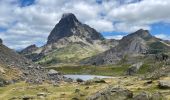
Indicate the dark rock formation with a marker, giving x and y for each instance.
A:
(1, 41)
(29, 49)
(69, 26)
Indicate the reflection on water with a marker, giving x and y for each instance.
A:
(86, 77)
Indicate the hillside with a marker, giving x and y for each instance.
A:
(14, 67)
(133, 45)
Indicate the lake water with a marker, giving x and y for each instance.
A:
(86, 77)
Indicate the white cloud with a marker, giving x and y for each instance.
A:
(101, 25)
(163, 36)
(32, 24)
(117, 37)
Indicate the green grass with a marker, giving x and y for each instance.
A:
(93, 70)
(55, 93)
(144, 69)
(69, 54)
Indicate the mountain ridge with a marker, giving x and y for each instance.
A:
(134, 44)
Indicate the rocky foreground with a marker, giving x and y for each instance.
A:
(117, 88)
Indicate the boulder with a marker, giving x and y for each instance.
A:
(112, 94)
(157, 96)
(122, 92)
(142, 96)
(52, 72)
(134, 68)
(163, 84)
(42, 94)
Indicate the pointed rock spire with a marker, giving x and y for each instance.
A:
(1, 41)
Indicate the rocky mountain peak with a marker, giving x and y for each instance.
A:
(141, 33)
(69, 26)
(69, 19)
(69, 16)
(29, 49)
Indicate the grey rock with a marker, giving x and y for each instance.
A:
(142, 96)
(157, 96)
(42, 94)
(29, 49)
(29, 71)
(134, 68)
(112, 94)
(52, 72)
(163, 84)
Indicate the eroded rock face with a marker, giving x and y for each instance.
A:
(26, 70)
(163, 84)
(131, 44)
(135, 44)
(29, 49)
(69, 26)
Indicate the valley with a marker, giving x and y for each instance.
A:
(136, 67)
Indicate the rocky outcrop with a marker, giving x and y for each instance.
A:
(29, 49)
(134, 68)
(164, 84)
(112, 94)
(21, 67)
(1, 41)
(124, 94)
(142, 96)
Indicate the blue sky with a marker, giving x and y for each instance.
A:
(26, 22)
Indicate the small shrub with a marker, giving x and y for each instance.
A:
(79, 80)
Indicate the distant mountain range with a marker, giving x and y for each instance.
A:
(73, 42)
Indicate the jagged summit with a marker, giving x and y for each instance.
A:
(70, 26)
(69, 16)
(29, 49)
(140, 33)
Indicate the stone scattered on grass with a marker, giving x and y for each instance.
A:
(142, 96)
(86, 88)
(42, 94)
(163, 84)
